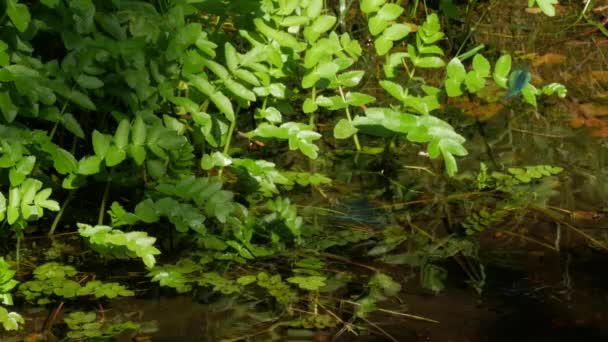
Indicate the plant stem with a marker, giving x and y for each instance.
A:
(18, 250)
(229, 138)
(311, 120)
(104, 200)
(60, 213)
(350, 120)
(63, 108)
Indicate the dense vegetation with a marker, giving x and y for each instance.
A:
(177, 133)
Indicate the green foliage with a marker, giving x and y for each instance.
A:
(9, 320)
(176, 276)
(480, 221)
(283, 211)
(317, 321)
(512, 81)
(413, 118)
(380, 286)
(276, 287)
(525, 186)
(7, 283)
(26, 201)
(440, 136)
(300, 136)
(130, 94)
(116, 243)
(86, 326)
(54, 279)
(515, 176)
(311, 283)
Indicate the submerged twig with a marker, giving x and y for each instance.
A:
(575, 229)
(384, 332)
(539, 134)
(396, 313)
(348, 261)
(527, 238)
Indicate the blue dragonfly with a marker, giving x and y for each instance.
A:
(518, 79)
(361, 211)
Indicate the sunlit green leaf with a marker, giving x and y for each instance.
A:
(115, 155)
(231, 57)
(429, 62)
(501, 70)
(547, 6)
(101, 143)
(377, 25)
(369, 6)
(239, 90)
(283, 38)
(247, 76)
(456, 70)
(64, 162)
(474, 81)
(390, 12)
(453, 87)
(10, 320)
(351, 78)
(396, 31)
(529, 93)
(89, 165)
(382, 45)
(481, 65)
(344, 129)
(358, 99)
(309, 106)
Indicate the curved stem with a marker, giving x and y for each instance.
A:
(60, 213)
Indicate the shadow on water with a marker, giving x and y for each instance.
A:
(529, 304)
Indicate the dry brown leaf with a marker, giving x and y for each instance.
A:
(600, 132)
(549, 59)
(477, 110)
(577, 122)
(599, 75)
(593, 110)
(533, 10)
